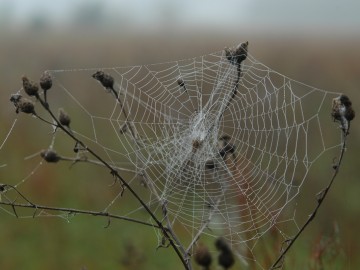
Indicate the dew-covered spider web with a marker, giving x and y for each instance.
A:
(226, 155)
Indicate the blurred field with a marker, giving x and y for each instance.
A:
(329, 63)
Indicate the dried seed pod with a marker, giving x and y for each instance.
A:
(26, 106)
(241, 51)
(342, 111)
(226, 259)
(349, 112)
(31, 88)
(105, 79)
(64, 118)
(237, 55)
(50, 156)
(46, 81)
(203, 256)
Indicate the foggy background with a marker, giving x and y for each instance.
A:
(315, 42)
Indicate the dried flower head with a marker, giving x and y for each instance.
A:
(50, 156)
(241, 51)
(31, 88)
(64, 118)
(226, 259)
(342, 111)
(349, 112)
(46, 81)
(25, 106)
(105, 79)
(202, 256)
(238, 54)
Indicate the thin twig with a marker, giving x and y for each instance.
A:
(320, 198)
(76, 211)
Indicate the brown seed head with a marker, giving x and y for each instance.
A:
(50, 156)
(342, 107)
(31, 88)
(226, 259)
(64, 118)
(241, 51)
(203, 256)
(105, 79)
(237, 55)
(46, 81)
(25, 106)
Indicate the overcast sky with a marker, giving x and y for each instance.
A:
(326, 14)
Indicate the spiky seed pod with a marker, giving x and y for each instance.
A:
(46, 81)
(349, 112)
(105, 79)
(64, 118)
(241, 51)
(237, 55)
(50, 156)
(342, 107)
(203, 256)
(25, 106)
(31, 88)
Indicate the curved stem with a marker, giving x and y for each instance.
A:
(115, 173)
(320, 198)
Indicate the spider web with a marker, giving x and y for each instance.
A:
(232, 164)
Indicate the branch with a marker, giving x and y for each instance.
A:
(116, 174)
(320, 198)
(29, 204)
(169, 234)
